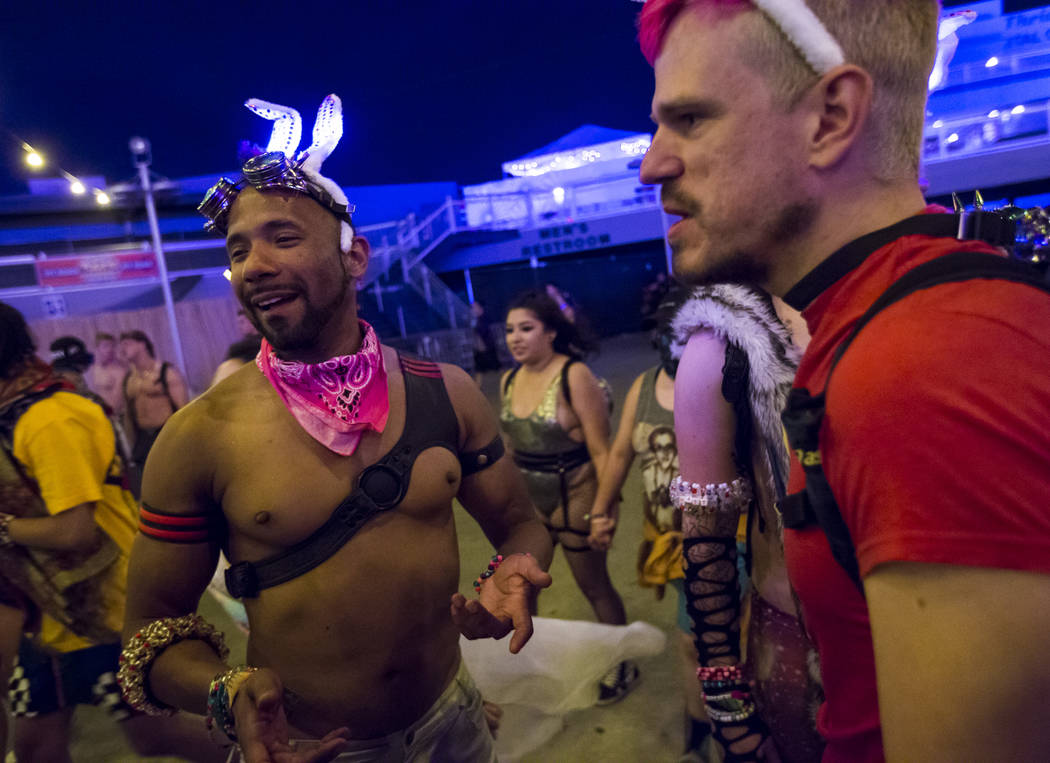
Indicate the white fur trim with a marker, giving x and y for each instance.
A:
(740, 316)
(346, 233)
(806, 32)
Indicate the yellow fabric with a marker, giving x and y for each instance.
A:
(741, 529)
(66, 445)
(664, 561)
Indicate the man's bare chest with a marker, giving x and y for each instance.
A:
(146, 384)
(276, 485)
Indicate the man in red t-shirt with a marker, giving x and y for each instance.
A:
(788, 142)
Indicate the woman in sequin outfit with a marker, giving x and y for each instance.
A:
(555, 415)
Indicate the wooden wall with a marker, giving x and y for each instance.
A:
(206, 326)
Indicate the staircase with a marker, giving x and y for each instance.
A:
(406, 302)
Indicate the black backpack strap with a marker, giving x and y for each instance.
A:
(509, 379)
(804, 413)
(164, 385)
(951, 268)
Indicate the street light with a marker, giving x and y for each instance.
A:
(142, 157)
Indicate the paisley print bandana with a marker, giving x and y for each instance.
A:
(337, 400)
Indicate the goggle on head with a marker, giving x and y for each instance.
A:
(276, 169)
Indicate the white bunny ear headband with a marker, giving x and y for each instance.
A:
(805, 31)
(280, 167)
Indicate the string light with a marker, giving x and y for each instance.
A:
(77, 187)
(33, 158)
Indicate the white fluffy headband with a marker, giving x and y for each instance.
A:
(805, 31)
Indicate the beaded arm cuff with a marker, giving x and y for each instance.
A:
(697, 499)
(146, 645)
(221, 694)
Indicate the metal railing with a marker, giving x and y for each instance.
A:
(1022, 124)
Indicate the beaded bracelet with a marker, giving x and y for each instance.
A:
(733, 717)
(494, 564)
(146, 645)
(221, 694)
(5, 533)
(724, 673)
(708, 499)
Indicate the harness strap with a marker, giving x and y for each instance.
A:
(429, 421)
(565, 461)
(804, 414)
(481, 459)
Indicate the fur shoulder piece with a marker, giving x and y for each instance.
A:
(744, 317)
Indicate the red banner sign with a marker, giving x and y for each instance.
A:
(95, 268)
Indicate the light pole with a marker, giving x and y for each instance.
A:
(140, 152)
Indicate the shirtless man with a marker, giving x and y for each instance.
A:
(152, 391)
(107, 373)
(358, 645)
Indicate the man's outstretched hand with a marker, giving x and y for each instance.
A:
(504, 602)
(262, 728)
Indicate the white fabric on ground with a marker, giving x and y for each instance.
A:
(556, 673)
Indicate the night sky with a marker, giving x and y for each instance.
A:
(431, 90)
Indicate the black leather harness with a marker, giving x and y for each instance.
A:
(430, 421)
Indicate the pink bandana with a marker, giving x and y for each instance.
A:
(337, 400)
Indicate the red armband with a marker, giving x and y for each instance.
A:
(181, 528)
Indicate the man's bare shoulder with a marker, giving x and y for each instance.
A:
(221, 405)
(197, 439)
(462, 389)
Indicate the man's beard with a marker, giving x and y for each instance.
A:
(750, 264)
(302, 335)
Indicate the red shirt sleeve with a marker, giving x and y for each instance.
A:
(938, 430)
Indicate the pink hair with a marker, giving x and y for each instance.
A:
(657, 16)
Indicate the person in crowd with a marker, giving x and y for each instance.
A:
(556, 418)
(647, 430)
(349, 585)
(653, 295)
(788, 141)
(152, 392)
(244, 350)
(71, 360)
(733, 466)
(563, 300)
(66, 526)
(486, 357)
(107, 372)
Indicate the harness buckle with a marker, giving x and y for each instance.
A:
(242, 581)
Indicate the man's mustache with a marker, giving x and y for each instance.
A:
(675, 199)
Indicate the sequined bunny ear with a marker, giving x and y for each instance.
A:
(287, 127)
(328, 129)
